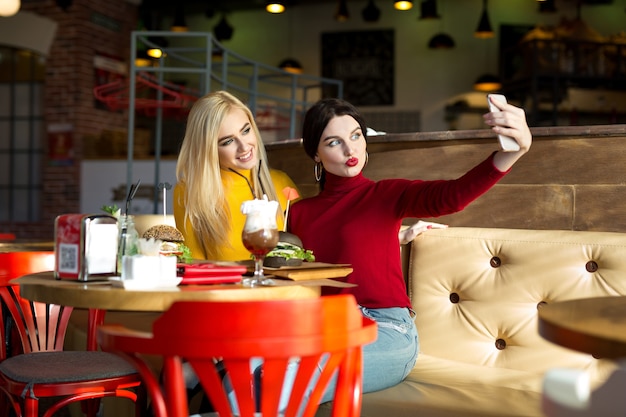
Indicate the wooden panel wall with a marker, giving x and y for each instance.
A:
(569, 183)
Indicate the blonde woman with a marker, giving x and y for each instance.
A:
(222, 162)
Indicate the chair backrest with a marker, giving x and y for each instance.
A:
(325, 335)
(41, 327)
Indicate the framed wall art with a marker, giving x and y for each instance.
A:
(364, 61)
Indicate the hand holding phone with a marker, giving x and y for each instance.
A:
(507, 143)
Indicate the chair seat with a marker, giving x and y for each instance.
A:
(65, 366)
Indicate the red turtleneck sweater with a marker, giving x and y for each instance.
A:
(356, 221)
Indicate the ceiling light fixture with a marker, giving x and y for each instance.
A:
(143, 59)
(342, 11)
(223, 31)
(429, 10)
(275, 7)
(179, 24)
(441, 41)
(403, 5)
(291, 65)
(9, 7)
(487, 83)
(484, 30)
(371, 13)
(155, 50)
(547, 6)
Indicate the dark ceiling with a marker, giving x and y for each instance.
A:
(212, 7)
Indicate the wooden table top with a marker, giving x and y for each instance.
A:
(591, 325)
(102, 295)
(26, 246)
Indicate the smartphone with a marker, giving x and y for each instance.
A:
(507, 143)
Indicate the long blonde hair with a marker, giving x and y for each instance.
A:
(198, 169)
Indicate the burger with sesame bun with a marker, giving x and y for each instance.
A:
(172, 241)
(288, 252)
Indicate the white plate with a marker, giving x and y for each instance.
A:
(143, 284)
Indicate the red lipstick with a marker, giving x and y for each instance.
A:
(352, 162)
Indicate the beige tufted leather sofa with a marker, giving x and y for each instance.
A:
(476, 292)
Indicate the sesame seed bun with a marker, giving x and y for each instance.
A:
(165, 233)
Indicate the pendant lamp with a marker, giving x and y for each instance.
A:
(179, 24)
(429, 10)
(275, 7)
(156, 49)
(403, 5)
(484, 30)
(547, 6)
(342, 11)
(223, 31)
(487, 83)
(371, 13)
(143, 59)
(9, 7)
(441, 41)
(291, 65)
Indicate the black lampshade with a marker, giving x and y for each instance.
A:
(429, 10)
(441, 41)
(487, 82)
(371, 13)
(223, 31)
(291, 65)
(484, 29)
(179, 24)
(547, 6)
(342, 11)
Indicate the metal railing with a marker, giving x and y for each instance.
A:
(195, 63)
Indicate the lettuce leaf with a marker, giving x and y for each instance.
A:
(289, 251)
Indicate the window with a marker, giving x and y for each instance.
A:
(21, 134)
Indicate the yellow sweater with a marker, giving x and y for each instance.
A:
(237, 191)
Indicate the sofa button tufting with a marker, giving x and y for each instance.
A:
(454, 298)
(500, 344)
(591, 266)
(495, 262)
(541, 304)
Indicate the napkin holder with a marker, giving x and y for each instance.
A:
(85, 246)
(150, 268)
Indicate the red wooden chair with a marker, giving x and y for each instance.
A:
(330, 329)
(44, 369)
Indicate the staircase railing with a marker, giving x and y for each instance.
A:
(195, 63)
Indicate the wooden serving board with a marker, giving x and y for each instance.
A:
(308, 271)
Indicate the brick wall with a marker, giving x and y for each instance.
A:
(86, 28)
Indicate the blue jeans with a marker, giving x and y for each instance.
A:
(389, 359)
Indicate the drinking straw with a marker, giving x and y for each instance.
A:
(131, 195)
(165, 186)
(291, 194)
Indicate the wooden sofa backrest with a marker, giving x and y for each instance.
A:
(476, 291)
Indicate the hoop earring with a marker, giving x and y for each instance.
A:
(367, 158)
(317, 171)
